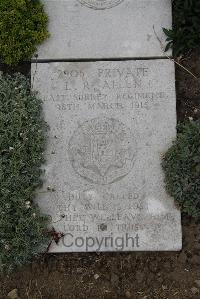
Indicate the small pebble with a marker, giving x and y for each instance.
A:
(182, 258)
(195, 260)
(128, 294)
(194, 291)
(197, 282)
(96, 276)
(13, 294)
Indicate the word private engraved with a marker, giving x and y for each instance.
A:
(100, 4)
(102, 150)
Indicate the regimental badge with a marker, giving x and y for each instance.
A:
(100, 4)
(102, 150)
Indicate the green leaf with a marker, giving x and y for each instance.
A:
(168, 46)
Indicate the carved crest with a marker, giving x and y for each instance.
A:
(102, 150)
(100, 4)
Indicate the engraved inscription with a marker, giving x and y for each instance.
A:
(102, 150)
(100, 4)
(109, 122)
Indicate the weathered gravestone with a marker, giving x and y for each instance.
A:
(85, 29)
(110, 123)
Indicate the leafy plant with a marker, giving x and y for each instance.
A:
(182, 168)
(185, 34)
(23, 25)
(22, 143)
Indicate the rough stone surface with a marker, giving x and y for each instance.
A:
(197, 282)
(83, 29)
(110, 123)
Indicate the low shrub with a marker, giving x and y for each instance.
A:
(23, 229)
(185, 34)
(23, 25)
(182, 168)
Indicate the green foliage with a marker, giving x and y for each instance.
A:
(182, 168)
(22, 143)
(186, 28)
(23, 25)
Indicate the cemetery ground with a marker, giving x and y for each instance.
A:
(122, 275)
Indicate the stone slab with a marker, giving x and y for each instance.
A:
(123, 29)
(110, 122)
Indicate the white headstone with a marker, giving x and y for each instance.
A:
(110, 123)
(86, 29)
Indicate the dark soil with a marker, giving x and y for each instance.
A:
(188, 87)
(24, 68)
(123, 275)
